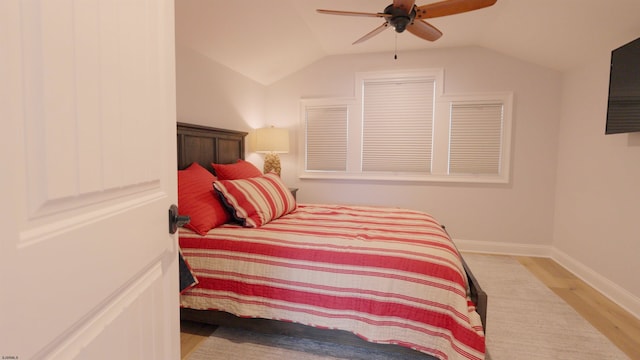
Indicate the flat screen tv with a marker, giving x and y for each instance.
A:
(623, 109)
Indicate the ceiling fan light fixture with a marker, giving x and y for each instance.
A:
(399, 18)
(400, 23)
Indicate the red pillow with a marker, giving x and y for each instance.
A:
(256, 201)
(197, 200)
(240, 170)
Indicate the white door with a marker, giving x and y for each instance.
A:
(88, 269)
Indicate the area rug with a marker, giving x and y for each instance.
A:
(526, 320)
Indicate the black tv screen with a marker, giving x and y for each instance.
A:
(623, 109)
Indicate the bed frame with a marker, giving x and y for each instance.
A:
(205, 145)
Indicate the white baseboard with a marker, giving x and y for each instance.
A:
(606, 287)
(489, 247)
(615, 293)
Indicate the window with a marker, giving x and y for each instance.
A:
(397, 119)
(475, 138)
(479, 129)
(326, 137)
(401, 127)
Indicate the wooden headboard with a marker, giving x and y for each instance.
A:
(204, 145)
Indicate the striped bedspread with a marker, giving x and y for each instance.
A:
(388, 275)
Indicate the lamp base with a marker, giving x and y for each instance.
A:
(272, 163)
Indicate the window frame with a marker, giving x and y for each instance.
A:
(440, 133)
(506, 98)
(350, 104)
(432, 78)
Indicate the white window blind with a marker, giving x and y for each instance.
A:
(397, 125)
(476, 131)
(326, 138)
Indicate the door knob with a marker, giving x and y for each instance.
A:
(176, 220)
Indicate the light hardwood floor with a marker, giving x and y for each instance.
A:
(618, 325)
(622, 328)
(191, 335)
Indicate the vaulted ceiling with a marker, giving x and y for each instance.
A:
(268, 39)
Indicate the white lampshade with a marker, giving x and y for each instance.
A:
(272, 140)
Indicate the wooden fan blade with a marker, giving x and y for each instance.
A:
(405, 5)
(450, 7)
(372, 33)
(423, 29)
(351, 13)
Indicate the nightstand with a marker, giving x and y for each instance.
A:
(293, 192)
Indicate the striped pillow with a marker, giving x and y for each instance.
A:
(256, 201)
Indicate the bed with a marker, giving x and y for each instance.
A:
(371, 276)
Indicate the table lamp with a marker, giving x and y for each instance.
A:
(272, 141)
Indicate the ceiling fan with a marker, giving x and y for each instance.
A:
(406, 15)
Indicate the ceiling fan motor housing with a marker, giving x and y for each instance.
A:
(399, 18)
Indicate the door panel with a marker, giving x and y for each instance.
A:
(88, 159)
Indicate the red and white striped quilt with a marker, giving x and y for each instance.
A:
(388, 275)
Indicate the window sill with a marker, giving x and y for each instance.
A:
(473, 179)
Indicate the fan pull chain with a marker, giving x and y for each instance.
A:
(395, 50)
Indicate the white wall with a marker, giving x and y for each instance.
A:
(597, 220)
(213, 95)
(517, 214)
